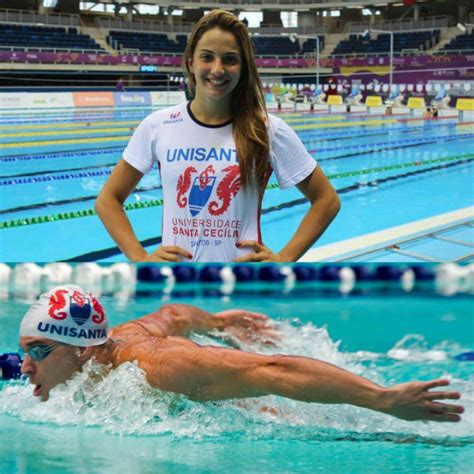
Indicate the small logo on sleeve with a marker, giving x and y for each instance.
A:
(174, 117)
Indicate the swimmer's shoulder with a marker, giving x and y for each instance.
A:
(136, 327)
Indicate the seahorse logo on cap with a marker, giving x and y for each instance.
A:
(80, 307)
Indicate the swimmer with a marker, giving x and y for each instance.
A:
(428, 114)
(67, 327)
(215, 155)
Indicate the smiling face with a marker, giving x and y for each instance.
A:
(216, 65)
(56, 368)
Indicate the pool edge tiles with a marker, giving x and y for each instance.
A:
(345, 249)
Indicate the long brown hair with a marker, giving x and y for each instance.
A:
(248, 101)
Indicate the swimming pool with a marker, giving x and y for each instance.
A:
(395, 175)
(123, 426)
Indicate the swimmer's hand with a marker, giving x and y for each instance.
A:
(261, 253)
(414, 401)
(168, 253)
(247, 326)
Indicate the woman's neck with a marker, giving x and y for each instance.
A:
(211, 112)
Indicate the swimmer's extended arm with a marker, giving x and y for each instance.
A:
(210, 373)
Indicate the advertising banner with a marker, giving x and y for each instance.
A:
(35, 100)
(123, 99)
(168, 98)
(9, 100)
(93, 99)
(419, 61)
(47, 100)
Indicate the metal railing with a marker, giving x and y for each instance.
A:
(143, 25)
(401, 53)
(297, 30)
(33, 49)
(267, 4)
(183, 28)
(429, 23)
(308, 55)
(33, 18)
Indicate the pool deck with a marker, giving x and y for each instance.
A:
(390, 240)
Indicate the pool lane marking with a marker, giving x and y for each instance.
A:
(364, 149)
(64, 170)
(106, 139)
(71, 124)
(338, 249)
(91, 123)
(112, 251)
(48, 176)
(66, 142)
(158, 202)
(127, 137)
(63, 154)
(67, 132)
(411, 143)
(86, 128)
(62, 202)
(101, 123)
(110, 150)
(357, 123)
(125, 129)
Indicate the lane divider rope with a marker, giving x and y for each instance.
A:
(158, 202)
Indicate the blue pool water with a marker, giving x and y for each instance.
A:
(121, 425)
(55, 165)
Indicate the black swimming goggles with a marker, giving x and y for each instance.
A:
(39, 352)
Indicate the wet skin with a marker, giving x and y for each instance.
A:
(173, 363)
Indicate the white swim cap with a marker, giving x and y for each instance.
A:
(67, 314)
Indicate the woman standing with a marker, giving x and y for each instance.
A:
(215, 155)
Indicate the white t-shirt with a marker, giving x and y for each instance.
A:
(205, 210)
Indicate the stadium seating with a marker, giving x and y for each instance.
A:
(361, 45)
(459, 44)
(153, 42)
(275, 46)
(156, 42)
(46, 38)
(309, 46)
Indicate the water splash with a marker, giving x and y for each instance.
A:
(122, 402)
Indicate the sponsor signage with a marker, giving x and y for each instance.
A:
(35, 100)
(123, 99)
(93, 99)
(168, 98)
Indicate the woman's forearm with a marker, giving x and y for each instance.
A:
(112, 215)
(321, 213)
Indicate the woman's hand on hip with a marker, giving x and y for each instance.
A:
(262, 253)
(167, 253)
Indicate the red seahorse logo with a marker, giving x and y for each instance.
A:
(226, 190)
(183, 185)
(57, 302)
(100, 316)
(204, 177)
